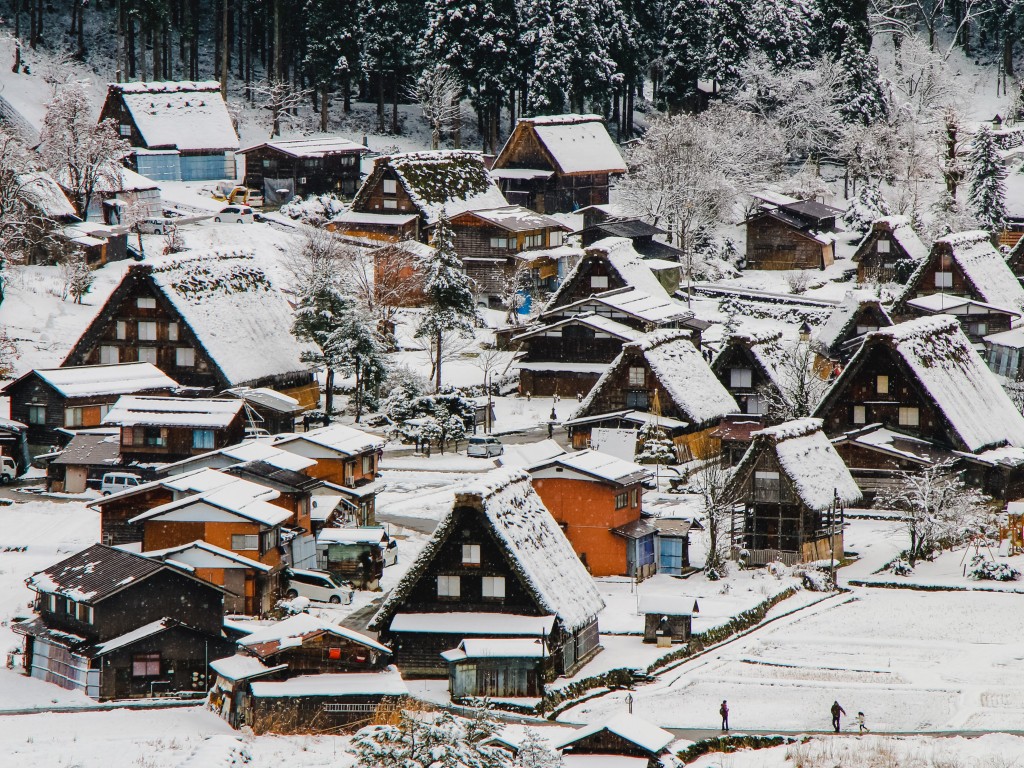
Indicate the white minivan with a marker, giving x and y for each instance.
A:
(115, 482)
(484, 447)
(240, 214)
(316, 585)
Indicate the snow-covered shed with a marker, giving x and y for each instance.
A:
(81, 464)
(667, 617)
(923, 378)
(558, 163)
(497, 667)
(792, 485)
(497, 565)
(187, 123)
(664, 374)
(889, 252)
(425, 185)
(977, 319)
(786, 233)
(201, 318)
(623, 734)
(966, 264)
(53, 400)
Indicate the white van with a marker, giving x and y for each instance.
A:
(115, 482)
(316, 585)
(240, 214)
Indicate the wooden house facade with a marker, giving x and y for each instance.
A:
(597, 499)
(304, 675)
(194, 318)
(558, 164)
(748, 363)
(615, 741)
(53, 401)
(498, 566)
(792, 485)
(316, 165)
(498, 667)
(923, 378)
(114, 624)
(890, 252)
(786, 233)
(344, 455)
(662, 374)
(846, 327)
(608, 265)
(406, 194)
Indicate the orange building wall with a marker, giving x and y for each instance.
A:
(586, 511)
(333, 470)
(160, 534)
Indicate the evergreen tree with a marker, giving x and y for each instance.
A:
(535, 752)
(861, 97)
(867, 206)
(686, 46)
(783, 32)
(320, 308)
(356, 348)
(332, 48)
(987, 196)
(839, 20)
(655, 447)
(449, 294)
(550, 79)
(728, 39)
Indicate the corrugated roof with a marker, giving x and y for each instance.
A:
(94, 573)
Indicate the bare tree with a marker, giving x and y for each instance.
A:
(383, 281)
(438, 91)
(77, 150)
(711, 481)
(939, 510)
(282, 100)
(904, 17)
(798, 387)
(76, 276)
(8, 354)
(514, 292)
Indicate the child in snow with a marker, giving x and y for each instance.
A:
(861, 728)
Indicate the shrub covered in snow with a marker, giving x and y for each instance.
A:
(867, 206)
(315, 210)
(989, 570)
(901, 567)
(816, 580)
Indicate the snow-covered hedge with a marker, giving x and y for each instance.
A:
(987, 570)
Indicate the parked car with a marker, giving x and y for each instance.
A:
(390, 552)
(240, 214)
(484, 447)
(317, 585)
(8, 470)
(115, 482)
(257, 433)
(157, 226)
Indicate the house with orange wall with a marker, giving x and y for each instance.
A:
(343, 455)
(597, 500)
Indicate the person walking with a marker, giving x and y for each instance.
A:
(724, 712)
(836, 712)
(861, 728)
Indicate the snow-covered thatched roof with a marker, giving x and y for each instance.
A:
(682, 372)
(845, 316)
(441, 182)
(940, 357)
(237, 315)
(768, 351)
(534, 546)
(983, 267)
(39, 190)
(622, 258)
(628, 727)
(808, 459)
(181, 115)
(575, 143)
(900, 229)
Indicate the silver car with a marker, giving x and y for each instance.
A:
(484, 447)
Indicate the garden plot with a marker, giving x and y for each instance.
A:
(910, 660)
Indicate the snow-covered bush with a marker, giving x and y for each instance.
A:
(656, 448)
(798, 281)
(988, 570)
(901, 567)
(427, 739)
(815, 580)
(867, 206)
(315, 210)
(777, 569)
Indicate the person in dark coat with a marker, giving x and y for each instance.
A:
(724, 712)
(836, 712)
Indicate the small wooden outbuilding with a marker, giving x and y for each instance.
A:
(666, 617)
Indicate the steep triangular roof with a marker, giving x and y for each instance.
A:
(183, 115)
(810, 462)
(534, 546)
(623, 259)
(766, 349)
(937, 353)
(681, 371)
(899, 229)
(845, 317)
(573, 143)
(982, 265)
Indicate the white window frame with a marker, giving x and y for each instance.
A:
(883, 246)
(637, 376)
(741, 378)
(471, 554)
(449, 586)
(148, 355)
(145, 302)
(599, 281)
(185, 357)
(172, 331)
(943, 279)
(389, 187)
(121, 329)
(556, 238)
(493, 587)
(147, 330)
(909, 416)
(245, 542)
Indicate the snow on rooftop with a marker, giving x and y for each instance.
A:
(233, 309)
(242, 667)
(579, 143)
(40, 190)
(385, 683)
(528, 454)
(601, 465)
(373, 534)
(240, 498)
(336, 437)
(446, 182)
(516, 218)
(479, 623)
(632, 301)
(811, 462)
(961, 385)
(498, 648)
(666, 604)
(623, 258)
(985, 268)
(184, 115)
(89, 380)
(146, 630)
(133, 411)
(359, 217)
(1012, 338)
(902, 231)
(197, 554)
(311, 146)
(301, 624)
(644, 734)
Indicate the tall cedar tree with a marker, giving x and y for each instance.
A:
(987, 196)
(685, 52)
(728, 39)
(449, 293)
(783, 32)
(356, 349)
(548, 78)
(837, 20)
(331, 37)
(861, 95)
(321, 307)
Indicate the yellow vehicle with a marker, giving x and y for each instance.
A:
(236, 194)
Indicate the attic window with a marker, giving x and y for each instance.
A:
(599, 281)
(448, 586)
(471, 554)
(390, 187)
(882, 385)
(882, 246)
(145, 302)
(126, 130)
(636, 376)
(943, 279)
(740, 378)
(391, 204)
(909, 417)
(860, 415)
(493, 587)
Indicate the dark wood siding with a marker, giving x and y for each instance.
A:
(774, 245)
(337, 173)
